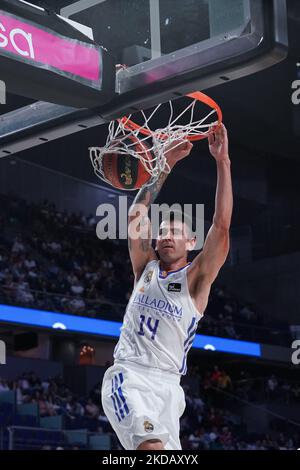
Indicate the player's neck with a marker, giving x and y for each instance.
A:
(173, 265)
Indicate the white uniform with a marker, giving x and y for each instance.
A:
(141, 392)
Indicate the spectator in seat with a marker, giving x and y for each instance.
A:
(272, 385)
(18, 246)
(224, 381)
(29, 263)
(195, 439)
(77, 305)
(91, 410)
(76, 287)
(215, 376)
(3, 385)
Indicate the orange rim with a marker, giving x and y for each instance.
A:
(197, 95)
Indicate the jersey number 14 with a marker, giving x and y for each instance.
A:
(148, 324)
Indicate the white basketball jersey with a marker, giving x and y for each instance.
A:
(160, 322)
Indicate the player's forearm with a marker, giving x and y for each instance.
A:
(139, 228)
(148, 194)
(174, 152)
(224, 197)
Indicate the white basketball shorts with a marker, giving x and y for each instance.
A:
(142, 404)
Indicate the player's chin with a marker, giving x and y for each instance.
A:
(167, 255)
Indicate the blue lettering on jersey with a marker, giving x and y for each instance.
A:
(161, 305)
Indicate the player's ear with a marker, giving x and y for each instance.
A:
(191, 244)
(156, 239)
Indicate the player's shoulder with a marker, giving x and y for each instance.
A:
(149, 268)
(151, 265)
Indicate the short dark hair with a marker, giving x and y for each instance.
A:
(174, 216)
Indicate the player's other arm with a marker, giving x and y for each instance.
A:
(139, 227)
(207, 264)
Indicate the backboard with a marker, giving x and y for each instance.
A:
(138, 31)
(183, 45)
(170, 48)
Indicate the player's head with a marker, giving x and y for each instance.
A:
(175, 238)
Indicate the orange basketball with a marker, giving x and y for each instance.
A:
(125, 171)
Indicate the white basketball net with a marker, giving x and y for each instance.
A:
(158, 142)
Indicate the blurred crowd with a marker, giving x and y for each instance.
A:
(213, 419)
(53, 261)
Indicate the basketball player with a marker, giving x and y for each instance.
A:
(141, 392)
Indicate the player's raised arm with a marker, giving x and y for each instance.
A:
(207, 264)
(139, 228)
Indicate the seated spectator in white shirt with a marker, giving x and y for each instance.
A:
(77, 288)
(91, 410)
(30, 263)
(18, 246)
(3, 386)
(77, 305)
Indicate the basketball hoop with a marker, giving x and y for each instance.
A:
(159, 141)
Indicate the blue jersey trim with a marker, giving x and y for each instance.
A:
(171, 272)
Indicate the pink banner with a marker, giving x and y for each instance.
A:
(66, 55)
